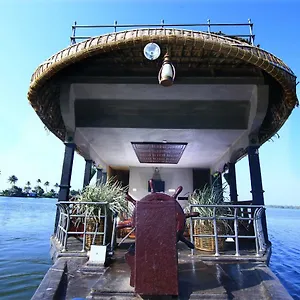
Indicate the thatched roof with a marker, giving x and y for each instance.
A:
(189, 50)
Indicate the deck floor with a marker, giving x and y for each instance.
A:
(198, 278)
(247, 250)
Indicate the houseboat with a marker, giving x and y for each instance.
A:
(165, 111)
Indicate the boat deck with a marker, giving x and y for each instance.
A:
(75, 277)
(246, 250)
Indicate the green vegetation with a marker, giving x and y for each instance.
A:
(28, 191)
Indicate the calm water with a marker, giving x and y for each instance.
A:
(26, 225)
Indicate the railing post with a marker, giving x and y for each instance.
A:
(73, 38)
(208, 23)
(162, 22)
(255, 231)
(251, 32)
(215, 232)
(115, 25)
(236, 234)
(66, 209)
(192, 231)
(84, 232)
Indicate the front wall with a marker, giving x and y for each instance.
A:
(173, 178)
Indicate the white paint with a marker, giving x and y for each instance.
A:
(258, 109)
(139, 176)
(205, 149)
(97, 254)
(113, 145)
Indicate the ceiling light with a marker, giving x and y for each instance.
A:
(152, 51)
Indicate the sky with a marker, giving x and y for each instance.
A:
(32, 30)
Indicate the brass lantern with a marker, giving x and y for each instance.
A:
(166, 73)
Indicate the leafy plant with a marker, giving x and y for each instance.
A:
(210, 195)
(110, 192)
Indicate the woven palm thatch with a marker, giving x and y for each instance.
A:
(94, 239)
(110, 196)
(124, 51)
(209, 195)
(208, 243)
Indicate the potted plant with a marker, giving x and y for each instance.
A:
(209, 195)
(112, 194)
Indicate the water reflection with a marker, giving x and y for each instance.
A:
(26, 225)
(285, 263)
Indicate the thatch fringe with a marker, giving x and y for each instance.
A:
(43, 87)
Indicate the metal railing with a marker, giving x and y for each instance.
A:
(249, 37)
(70, 213)
(234, 213)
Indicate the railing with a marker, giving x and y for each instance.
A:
(235, 213)
(70, 212)
(249, 37)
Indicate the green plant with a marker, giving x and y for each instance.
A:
(110, 192)
(210, 195)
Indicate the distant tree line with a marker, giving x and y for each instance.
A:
(29, 191)
(284, 206)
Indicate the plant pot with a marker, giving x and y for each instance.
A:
(208, 243)
(93, 225)
(94, 239)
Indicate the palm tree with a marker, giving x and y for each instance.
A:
(27, 188)
(56, 185)
(12, 179)
(46, 184)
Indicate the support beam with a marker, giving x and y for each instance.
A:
(256, 184)
(104, 177)
(255, 176)
(99, 176)
(87, 172)
(217, 182)
(64, 187)
(232, 183)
